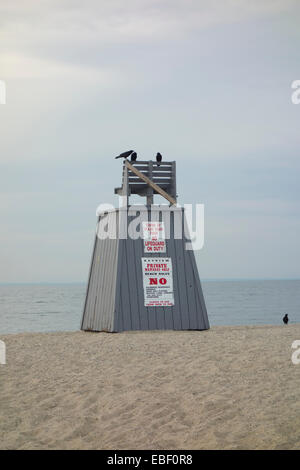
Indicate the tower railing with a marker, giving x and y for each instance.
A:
(146, 178)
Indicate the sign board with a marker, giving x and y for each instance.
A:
(158, 282)
(154, 237)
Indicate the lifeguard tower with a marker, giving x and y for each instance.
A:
(142, 277)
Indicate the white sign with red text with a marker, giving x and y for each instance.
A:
(154, 237)
(158, 282)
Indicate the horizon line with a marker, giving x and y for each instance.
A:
(237, 279)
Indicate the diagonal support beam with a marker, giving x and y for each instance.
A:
(150, 183)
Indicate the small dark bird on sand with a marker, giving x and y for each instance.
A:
(158, 158)
(133, 157)
(125, 154)
(285, 319)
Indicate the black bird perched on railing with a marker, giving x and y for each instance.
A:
(125, 154)
(285, 319)
(158, 158)
(133, 157)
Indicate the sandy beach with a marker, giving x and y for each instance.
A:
(226, 388)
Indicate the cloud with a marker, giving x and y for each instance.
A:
(59, 15)
(30, 24)
(207, 83)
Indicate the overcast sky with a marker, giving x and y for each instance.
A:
(207, 83)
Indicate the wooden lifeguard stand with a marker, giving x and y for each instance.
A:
(149, 282)
(147, 178)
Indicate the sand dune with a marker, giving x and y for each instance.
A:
(226, 388)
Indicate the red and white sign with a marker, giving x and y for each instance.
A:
(154, 237)
(158, 282)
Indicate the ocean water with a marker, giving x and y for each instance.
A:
(58, 307)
